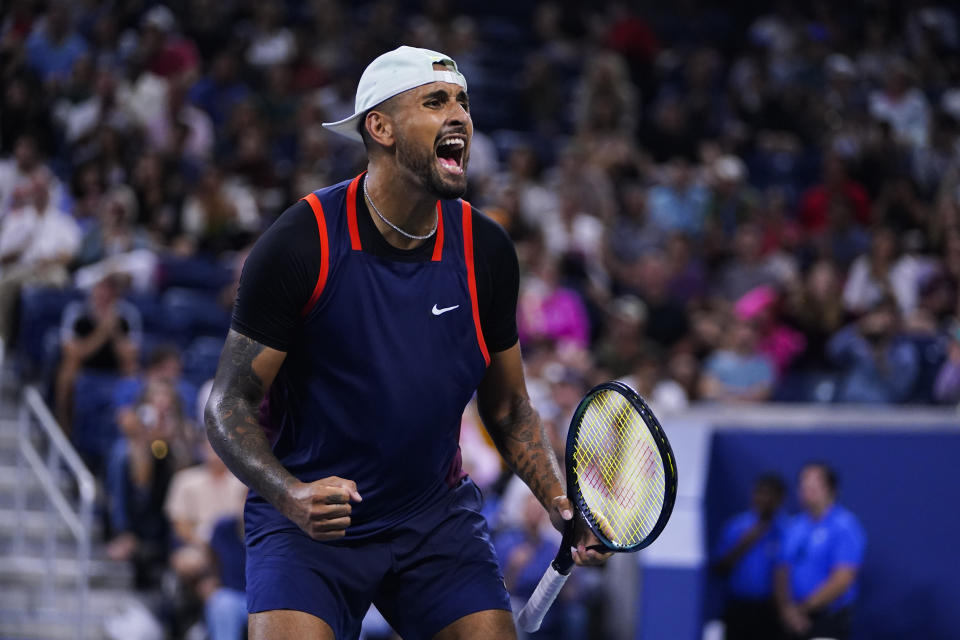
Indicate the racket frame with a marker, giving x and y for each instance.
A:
(666, 454)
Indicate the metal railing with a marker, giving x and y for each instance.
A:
(60, 456)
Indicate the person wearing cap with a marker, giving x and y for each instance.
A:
(366, 318)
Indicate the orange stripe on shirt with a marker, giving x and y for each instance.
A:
(438, 241)
(472, 277)
(352, 213)
(314, 203)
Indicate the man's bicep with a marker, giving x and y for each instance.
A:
(278, 279)
(503, 386)
(247, 367)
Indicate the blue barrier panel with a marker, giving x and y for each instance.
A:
(905, 488)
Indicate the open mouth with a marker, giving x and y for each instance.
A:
(450, 154)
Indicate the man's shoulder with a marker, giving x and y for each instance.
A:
(845, 520)
(332, 189)
(488, 234)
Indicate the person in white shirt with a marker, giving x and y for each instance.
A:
(37, 242)
(15, 173)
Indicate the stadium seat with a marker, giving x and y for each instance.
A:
(41, 309)
(200, 359)
(204, 274)
(188, 314)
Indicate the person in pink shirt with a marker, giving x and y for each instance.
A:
(548, 313)
(777, 341)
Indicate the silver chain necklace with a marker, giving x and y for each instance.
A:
(393, 226)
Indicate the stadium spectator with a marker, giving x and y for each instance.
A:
(946, 389)
(221, 89)
(161, 51)
(164, 365)
(101, 333)
(820, 556)
(157, 440)
(54, 46)
(631, 234)
(688, 274)
(225, 608)
(902, 105)
(16, 173)
(738, 372)
(37, 242)
(882, 272)
(680, 203)
(647, 377)
(198, 498)
(549, 314)
(877, 364)
(732, 200)
(815, 307)
(745, 557)
(219, 214)
(747, 268)
(271, 42)
(815, 205)
(649, 278)
(780, 343)
(620, 345)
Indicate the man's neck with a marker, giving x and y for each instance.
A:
(402, 201)
(818, 513)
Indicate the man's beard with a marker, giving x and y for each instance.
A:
(423, 164)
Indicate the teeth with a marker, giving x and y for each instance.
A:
(455, 142)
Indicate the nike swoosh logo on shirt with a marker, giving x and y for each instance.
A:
(438, 312)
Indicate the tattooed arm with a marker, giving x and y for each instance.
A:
(523, 442)
(246, 370)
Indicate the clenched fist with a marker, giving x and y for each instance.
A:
(321, 508)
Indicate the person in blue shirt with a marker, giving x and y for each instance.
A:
(820, 556)
(54, 47)
(746, 556)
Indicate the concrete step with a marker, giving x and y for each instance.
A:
(8, 434)
(64, 546)
(11, 480)
(32, 571)
(29, 614)
(14, 626)
(35, 523)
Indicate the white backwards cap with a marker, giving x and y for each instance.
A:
(394, 72)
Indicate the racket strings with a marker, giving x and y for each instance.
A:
(619, 469)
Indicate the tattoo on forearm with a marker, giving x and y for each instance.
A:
(523, 442)
(232, 421)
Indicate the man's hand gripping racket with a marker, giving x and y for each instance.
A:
(621, 479)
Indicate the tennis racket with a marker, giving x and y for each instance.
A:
(622, 479)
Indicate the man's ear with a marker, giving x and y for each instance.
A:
(379, 127)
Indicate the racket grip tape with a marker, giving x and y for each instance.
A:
(532, 614)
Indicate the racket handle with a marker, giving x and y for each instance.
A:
(532, 614)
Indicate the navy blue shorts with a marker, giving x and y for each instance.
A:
(429, 572)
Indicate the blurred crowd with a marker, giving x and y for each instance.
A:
(714, 201)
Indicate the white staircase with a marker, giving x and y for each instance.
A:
(47, 589)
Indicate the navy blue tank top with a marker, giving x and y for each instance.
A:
(376, 379)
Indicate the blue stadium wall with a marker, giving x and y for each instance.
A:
(899, 472)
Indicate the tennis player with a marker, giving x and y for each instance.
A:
(366, 318)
